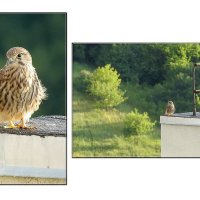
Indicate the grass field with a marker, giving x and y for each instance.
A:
(99, 132)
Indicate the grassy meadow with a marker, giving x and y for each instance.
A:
(99, 132)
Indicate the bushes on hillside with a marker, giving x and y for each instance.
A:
(82, 81)
(152, 73)
(137, 124)
(104, 87)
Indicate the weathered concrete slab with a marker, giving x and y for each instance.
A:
(185, 115)
(42, 126)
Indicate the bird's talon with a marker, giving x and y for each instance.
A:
(24, 127)
(10, 127)
(20, 126)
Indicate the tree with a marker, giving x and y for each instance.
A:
(104, 87)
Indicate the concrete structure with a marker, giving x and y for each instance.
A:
(35, 156)
(180, 135)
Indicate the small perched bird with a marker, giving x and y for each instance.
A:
(21, 92)
(170, 108)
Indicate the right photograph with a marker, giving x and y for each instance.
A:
(136, 100)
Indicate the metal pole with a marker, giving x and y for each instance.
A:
(194, 94)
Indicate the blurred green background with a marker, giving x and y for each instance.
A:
(43, 35)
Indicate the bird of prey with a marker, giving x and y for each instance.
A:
(170, 108)
(21, 92)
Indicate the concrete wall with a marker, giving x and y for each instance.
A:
(180, 136)
(32, 159)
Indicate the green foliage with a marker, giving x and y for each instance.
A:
(155, 73)
(79, 52)
(104, 87)
(128, 60)
(99, 132)
(82, 81)
(197, 101)
(147, 63)
(120, 56)
(137, 124)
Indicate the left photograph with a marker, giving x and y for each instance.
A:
(32, 98)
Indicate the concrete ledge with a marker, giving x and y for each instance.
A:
(180, 135)
(186, 119)
(41, 154)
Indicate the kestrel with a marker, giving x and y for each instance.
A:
(170, 109)
(21, 92)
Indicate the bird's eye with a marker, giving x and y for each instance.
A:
(19, 55)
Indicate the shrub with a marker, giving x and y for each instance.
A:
(137, 124)
(104, 87)
(82, 81)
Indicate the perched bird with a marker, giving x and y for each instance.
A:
(21, 92)
(170, 108)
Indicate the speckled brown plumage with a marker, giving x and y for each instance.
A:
(170, 108)
(21, 92)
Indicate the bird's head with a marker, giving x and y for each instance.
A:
(170, 103)
(16, 54)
